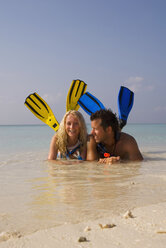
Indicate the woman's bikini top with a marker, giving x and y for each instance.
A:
(73, 151)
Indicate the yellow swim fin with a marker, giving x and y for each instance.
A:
(77, 89)
(41, 110)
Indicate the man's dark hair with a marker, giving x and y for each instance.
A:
(108, 118)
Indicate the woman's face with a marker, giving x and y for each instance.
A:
(72, 126)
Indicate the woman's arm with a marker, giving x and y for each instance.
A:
(83, 154)
(53, 149)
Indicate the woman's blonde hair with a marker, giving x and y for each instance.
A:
(61, 135)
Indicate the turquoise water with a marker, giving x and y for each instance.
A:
(148, 135)
(38, 194)
(30, 138)
(24, 138)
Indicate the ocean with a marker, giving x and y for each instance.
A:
(37, 194)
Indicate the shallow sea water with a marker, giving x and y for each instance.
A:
(37, 194)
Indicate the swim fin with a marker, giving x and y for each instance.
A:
(77, 89)
(90, 103)
(41, 110)
(125, 103)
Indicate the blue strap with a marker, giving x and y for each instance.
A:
(73, 151)
(102, 147)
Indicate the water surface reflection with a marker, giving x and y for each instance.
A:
(84, 191)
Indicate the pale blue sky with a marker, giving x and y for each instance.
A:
(45, 44)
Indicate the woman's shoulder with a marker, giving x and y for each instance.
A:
(54, 138)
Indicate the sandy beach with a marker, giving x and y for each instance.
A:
(139, 227)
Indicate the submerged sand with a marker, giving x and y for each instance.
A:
(141, 227)
(55, 206)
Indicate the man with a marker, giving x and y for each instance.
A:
(107, 143)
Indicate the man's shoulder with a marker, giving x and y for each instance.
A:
(127, 148)
(126, 138)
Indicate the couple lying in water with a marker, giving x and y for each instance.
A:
(106, 143)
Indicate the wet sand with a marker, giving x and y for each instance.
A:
(143, 227)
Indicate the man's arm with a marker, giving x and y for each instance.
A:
(91, 149)
(134, 153)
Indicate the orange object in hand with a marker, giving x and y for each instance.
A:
(106, 155)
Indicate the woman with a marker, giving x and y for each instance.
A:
(70, 140)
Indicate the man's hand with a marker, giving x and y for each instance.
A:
(110, 160)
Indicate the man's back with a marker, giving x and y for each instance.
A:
(127, 148)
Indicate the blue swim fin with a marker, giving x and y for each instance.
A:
(90, 103)
(125, 104)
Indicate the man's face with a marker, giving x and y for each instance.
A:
(97, 131)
